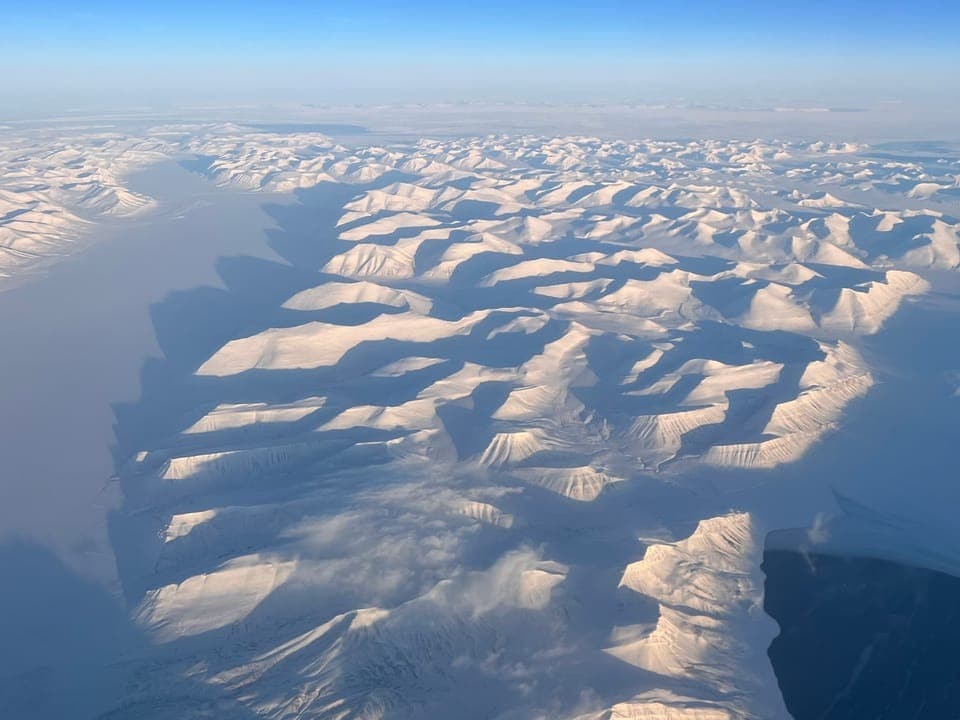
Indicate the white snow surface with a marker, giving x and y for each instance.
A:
(432, 527)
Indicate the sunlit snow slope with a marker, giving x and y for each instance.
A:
(447, 477)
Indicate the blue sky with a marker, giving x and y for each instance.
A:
(741, 51)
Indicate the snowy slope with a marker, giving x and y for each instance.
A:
(457, 470)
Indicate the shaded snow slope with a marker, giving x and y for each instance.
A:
(454, 462)
(769, 201)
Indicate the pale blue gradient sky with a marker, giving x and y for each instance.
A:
(753, 52)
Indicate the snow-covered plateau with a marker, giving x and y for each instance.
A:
(504, 438)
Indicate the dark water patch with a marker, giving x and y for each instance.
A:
(863, 638)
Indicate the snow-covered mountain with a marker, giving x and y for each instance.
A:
(459, 473)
